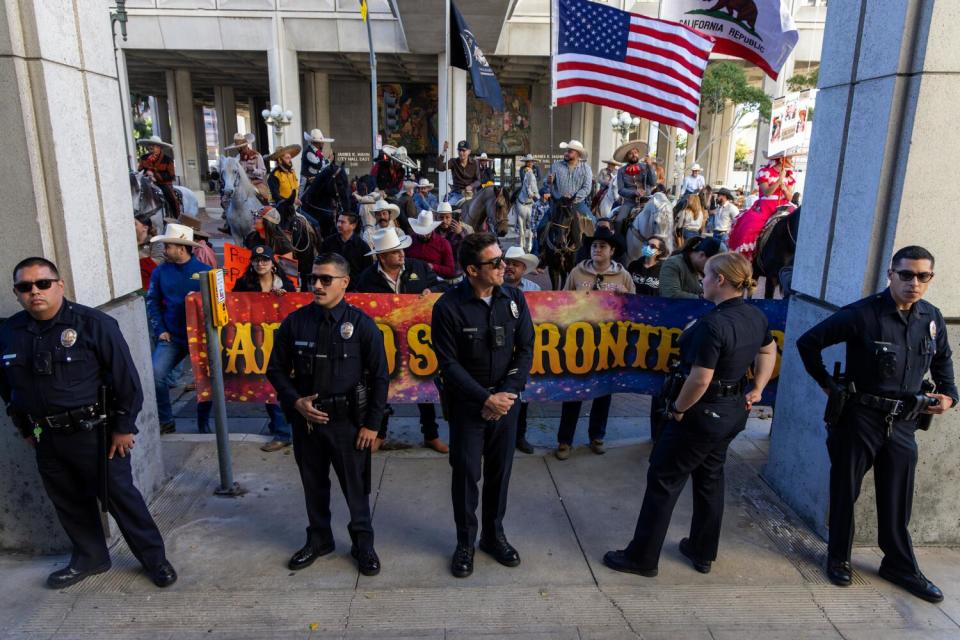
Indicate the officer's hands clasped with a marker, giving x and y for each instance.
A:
(497, 405)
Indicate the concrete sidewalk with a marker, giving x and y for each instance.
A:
(231, 555)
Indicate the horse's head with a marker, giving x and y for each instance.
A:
(229, 174)
(287, 209)
(501, 211)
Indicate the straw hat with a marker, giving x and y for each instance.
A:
(155, 140)
(292, 149)
(516, 253)
(389, 239)
(424, 225)
(176, 234)
(316, 135)
(383, 205)
(576, 145)
(610, 161)
(398, 154)
(696, 167)
(241, 140)
(620, 155)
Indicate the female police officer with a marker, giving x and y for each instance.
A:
(709, 412)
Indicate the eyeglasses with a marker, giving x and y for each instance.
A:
(26, 286)
(324, 279)
(496, 263)
(906, 275)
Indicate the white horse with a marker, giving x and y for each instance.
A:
(519, 232)
(241, 197)
(148, 200)
(655, 219)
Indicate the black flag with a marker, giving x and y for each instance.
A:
(465, 54)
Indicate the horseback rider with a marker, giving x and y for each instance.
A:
(521, 213)
(569, 178)
(252, 163)
(390, 169)
(313, 161)
(283, 179)
(158, 166)
(464, 173)
(635, 179)
(485, 171)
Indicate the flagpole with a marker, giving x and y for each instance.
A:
(443, 119)
(364, 12)
(552, 85)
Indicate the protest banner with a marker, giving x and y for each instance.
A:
(236, 259)
(587, 343)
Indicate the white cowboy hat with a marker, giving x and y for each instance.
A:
(518, 254)
(241, 140)
(389, 239)
(425, 184)
(445, 208)
(155, 140)
(483, 156)
(398, 154)
(410, 184)
(176, 234)
(620, 154)
(424, 225)
(316, 135)
(528, 158)
(696, 167)
(383, 205)
(576, 145)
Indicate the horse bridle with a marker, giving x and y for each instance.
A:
(148, 214)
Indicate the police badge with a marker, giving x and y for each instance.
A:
(933, 329)
(346, 330)
(514, 309)
(68, 338)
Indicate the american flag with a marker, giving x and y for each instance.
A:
(644, 66)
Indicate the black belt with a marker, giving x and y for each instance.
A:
(73, 419)
(721, 389)
(889, 406)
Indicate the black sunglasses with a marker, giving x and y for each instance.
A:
(26, 286)
(496, 263)
(906, 275)
(324, 279)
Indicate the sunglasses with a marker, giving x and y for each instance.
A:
(324, 279)
(496, 263)
(906, 275)
(26, 286)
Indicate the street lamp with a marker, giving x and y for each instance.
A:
(623, 123)
(277, 118)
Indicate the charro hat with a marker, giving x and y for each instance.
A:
(518, 254)
(155, 140)
(292, 149)
(613, 162)
(176, 234)
(398, 154)
(389, 239)
(424, 224)
(576, 145)
(383, 205)
(316, 135)
(620, 155)
(241, 140)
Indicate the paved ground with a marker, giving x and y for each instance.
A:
(563, 516)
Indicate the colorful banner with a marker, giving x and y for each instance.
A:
(236, 259)
(588, 344)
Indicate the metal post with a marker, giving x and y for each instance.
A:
(227, 486)
(373, 92)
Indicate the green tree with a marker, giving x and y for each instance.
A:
(740, 153)
(725, 83)
(804, 81)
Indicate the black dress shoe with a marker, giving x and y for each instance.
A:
(701, 565)
(501, 550)
(367, 561)
(618, 561)
(839, 571)
(68, 576)
(461, 565)
(163, 575)
(306, 556)
(917, 584)
(524, 446)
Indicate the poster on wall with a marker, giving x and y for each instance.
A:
(791, 121)
(504, 133)
(408, 116)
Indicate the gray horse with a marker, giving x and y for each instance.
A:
(148, 200)
(241, 198)
(655, 219)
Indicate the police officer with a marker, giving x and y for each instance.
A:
(711, 409)
(483, 337)
(893, 338)
(326, 357)
(57, 355)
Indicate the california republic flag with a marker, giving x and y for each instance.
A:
(759, 31)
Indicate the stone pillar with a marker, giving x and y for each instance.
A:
(282, 68)
(458, 106)
(127, 109)
(161, 117)
(606, 143)
(888, 88)
(444, 131)
(316, 86)
(225, 104)
(61, 84)
(183, 127)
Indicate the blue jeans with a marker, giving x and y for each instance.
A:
(723, 237)
(279, 427)
(687, 234)
(454, 198)
(166, 356)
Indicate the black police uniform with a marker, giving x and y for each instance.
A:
(727, 340)
(328, 353)
(417, 276)
(482, 349)
(888, 354)
(51, 377)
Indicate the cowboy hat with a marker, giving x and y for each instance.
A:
(383, 205)
(389, 239)
(528, 158)
(270, 214)
(613, 162)
(241, 140)
(605, 235)
(424, 184)
(410, 184)
(316, 135)
(155, 140)
(483, 156)
(176, 234)
(620, 154)
(189, 221)
(444, 207)
(575, 145)
(292, 149)
(424, 224)
(398, 154)
(696, 167)
(516, 253)
(723, 191)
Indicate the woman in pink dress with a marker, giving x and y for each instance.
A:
(775, 183)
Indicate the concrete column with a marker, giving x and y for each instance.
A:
(458, 106)
(444, 132)
(889, 80)
(61, 84)
(283, 70)
(183, 127)
(127, 109)
(316, 88)
(225, 105)
(606, 144)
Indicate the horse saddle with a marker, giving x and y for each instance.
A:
(768, 228)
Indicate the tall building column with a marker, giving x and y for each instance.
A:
(61, 84)
(127, 109)
(889, 85)
(183, 127)
(284, 76)
(225, 104)
(316, 87)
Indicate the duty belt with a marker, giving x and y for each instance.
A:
(721, 389)
(69, 420)
(889, 406)
(337, 406)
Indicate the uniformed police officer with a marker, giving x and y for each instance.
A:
(483, 337)
(893, 338)
(57, 355)
(329, 368)
(711, 409)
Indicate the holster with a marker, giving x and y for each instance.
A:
(20, 421)
(444, 397)
(836, 402)
(358, 404)
(668, 393)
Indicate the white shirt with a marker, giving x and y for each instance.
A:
(723, 220)
(692, 184)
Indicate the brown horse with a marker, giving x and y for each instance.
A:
(560, 240)
(488, 202)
